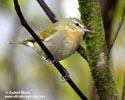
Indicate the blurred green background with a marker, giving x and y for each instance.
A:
(21, 69)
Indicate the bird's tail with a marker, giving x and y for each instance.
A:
(26, 43)
(21, 42)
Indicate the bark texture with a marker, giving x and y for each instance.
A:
(96, 49)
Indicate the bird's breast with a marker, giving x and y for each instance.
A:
(61, 45)
(72, 43)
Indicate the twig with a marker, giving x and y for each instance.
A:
(47, 10)
(123, 91)
(59, 67)
(118, 29)
(82, 52)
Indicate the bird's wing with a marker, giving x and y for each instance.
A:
(50, 30)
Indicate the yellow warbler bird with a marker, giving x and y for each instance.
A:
(61, 38)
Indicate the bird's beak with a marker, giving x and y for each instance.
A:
(86, 30)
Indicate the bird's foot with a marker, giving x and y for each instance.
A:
(54, 61)
(50, 61)
(66, 77)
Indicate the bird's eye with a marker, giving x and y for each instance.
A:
(77, 24)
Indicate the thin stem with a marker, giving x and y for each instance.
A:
(82, 52)
(118, 29)
(123, 91)
(59, 67)
(47, 10)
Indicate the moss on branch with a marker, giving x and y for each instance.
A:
(96, 49)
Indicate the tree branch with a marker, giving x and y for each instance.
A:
(96, 50)
(59, 67)
(47, 10)
(81, 51)
(123, 91)
(118, 29)
(108, 11)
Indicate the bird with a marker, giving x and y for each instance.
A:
(61, 38)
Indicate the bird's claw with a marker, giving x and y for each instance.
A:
(65, 77)
(54, 61)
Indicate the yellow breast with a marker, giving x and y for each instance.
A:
(73, 41)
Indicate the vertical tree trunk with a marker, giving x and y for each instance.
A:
(108, 10)
(96, 50)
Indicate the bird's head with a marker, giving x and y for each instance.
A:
(74, 25)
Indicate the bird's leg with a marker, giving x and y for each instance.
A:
(54, 61)
(50, 61)
(66, 76)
